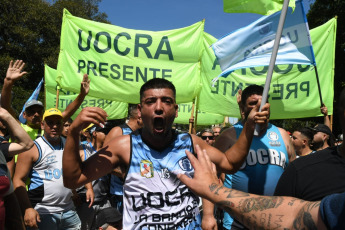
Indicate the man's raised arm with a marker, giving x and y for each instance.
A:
(72, 165)
(24, 141)
(72, 107)
(14, 73)
(235, 156)
(254, 211)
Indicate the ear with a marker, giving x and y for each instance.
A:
(176, 108)
(305, 142)
(24, 115)
(42, 124)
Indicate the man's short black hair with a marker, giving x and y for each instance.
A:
(308, 133)
(157, 83)
(249, 91)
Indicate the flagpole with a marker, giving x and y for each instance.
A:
(191, 119)
(318, 84)
(196, 115)
(57, 97)
(273, 59)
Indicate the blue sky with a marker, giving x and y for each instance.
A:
(158, 15)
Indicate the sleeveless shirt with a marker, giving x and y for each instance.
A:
(46, 190)
(265, 163)
(154, 198)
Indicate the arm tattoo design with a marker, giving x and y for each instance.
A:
(304, 219)
(259, 203)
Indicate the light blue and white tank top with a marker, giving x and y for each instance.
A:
(265, 163)
(154, 198)
(46, 190)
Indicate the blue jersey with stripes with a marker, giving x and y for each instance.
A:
(154, 198)
(265, 163)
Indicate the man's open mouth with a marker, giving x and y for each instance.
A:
(158, 124)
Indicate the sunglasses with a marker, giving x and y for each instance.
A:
(209, 137)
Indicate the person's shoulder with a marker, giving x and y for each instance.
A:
(317, 157)
(114, 132)
(282, 131)
(119, 141)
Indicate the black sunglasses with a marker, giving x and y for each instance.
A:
(209, 137)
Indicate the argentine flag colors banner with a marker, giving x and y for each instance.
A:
(119, 60)
(293, 92)
(252, 45)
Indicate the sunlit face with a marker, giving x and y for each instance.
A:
(158, 110)
(33, 116)
(65, 129)
(297, 141)
(52, 127)
(216, 131)
(208, 137)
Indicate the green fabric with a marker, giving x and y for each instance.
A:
(293, 91)
(120, 60)
(114, 109)
(33, 133)
(184, 114)
(264, 7)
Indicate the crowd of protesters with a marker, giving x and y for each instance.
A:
(90, 174)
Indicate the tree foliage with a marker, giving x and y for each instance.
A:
(30, 30)
(320, 12)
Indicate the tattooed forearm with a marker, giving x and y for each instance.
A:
(304, 219)
(216, 188)
(264, 212)
(235, 193)
(259, 203)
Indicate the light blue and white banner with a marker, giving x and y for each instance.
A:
(252, 45)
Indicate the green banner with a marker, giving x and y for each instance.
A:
(184, 114)
(293, 92)
(264, 7)
(114, 109)
(119, 60)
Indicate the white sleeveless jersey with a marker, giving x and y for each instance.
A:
(154, 198)
(46, 190)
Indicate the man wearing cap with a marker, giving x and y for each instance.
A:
(33, 115)
(323, 138)
(47, 202)
(34, 109)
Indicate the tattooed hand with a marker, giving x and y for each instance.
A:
(205, 177)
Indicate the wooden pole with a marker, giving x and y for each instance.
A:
(57, 97)
(196, 116)
(191, 119)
